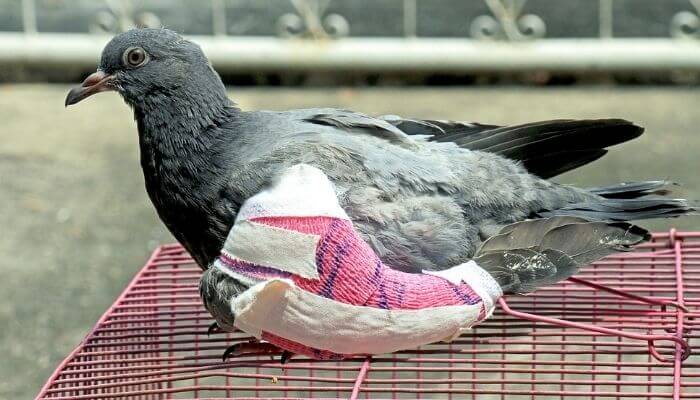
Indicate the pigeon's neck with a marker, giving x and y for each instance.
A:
(187, 109)
(182, 142)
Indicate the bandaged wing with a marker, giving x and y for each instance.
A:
(321, 290)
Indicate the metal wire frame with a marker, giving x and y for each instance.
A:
(580, 339)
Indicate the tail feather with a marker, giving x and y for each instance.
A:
(534, 253)
(633, 190)
(626, 202)
(624, 209)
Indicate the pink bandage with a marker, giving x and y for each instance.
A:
(347, 271)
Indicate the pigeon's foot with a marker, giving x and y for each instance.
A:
(257, 348)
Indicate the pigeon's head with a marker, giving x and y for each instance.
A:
(144, 62)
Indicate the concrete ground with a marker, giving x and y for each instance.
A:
(75, 223)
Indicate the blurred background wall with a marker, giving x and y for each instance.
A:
(75, 223)
(301, 42)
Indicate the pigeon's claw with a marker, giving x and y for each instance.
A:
(233, 349)
(213, 328)
(253, 347)
(286, 356)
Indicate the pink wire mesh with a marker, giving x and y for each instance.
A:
(152, 343)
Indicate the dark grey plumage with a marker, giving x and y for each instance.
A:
(423, 193)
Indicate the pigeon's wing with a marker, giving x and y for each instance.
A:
(546, 148)
(437, 130)
(359, 123)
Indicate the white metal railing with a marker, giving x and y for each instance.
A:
(505, 39)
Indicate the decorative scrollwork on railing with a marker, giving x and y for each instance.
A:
(507, 23)
(686, 24)
(310, 21)
(120, 16)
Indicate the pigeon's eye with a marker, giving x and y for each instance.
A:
(135, 57)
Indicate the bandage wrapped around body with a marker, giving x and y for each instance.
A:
(321, 290)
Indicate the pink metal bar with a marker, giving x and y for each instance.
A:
(661, 302)
(360, 378)
(650, 339)
(681, 311)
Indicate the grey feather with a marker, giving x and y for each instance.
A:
(217, 289)
(631, 190)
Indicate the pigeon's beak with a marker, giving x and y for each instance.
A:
(95, 83)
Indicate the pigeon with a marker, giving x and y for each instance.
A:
(424, 194)
(313, 287)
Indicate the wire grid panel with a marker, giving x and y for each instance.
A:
(152, 344)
